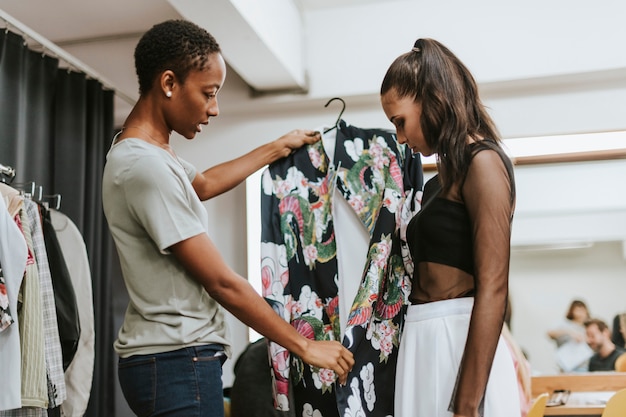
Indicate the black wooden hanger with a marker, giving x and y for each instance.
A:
(336, 125)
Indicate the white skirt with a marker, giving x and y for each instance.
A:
(431, 349)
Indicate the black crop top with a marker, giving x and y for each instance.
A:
(440, 232)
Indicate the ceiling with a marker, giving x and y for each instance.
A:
(102, 35)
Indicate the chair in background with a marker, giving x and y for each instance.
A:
(620, 363)
(539, 405)
(616, 405)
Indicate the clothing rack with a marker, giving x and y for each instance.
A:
(51, 49)
(30, 189)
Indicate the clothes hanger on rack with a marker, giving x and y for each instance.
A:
(336, 125)
(7, 173)
(47, 199)
(30, 189)
(27, 189)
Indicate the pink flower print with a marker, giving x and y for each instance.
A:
(379, 159)
(357, 203)
(375, 151)
(289, 304)
(324, 379)
(386, 346)
(266, 279)
(377, 154)
(381, 162)
(284, 278)
(315, 157)
(327, 376)
(310, 255)
(296, 309)
(283, 188)
(383, 250)
(385, 329)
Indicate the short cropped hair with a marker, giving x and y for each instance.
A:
(177, 45)
(602, 326)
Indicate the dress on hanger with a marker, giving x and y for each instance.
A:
(79, 373)
(302, 272)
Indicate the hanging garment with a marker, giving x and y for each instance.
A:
(79, 374)
(13, 255)
(64, 295)
(34, 381)
(48, 292)
(42, 380)
(6, 319)
(300, 267)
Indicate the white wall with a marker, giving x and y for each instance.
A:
(349, 49)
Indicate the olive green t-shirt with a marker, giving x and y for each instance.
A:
(150, 205)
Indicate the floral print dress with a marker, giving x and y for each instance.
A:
(300, 269)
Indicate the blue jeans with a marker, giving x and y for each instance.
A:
(185, 382)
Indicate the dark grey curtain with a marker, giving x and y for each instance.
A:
(55, 128)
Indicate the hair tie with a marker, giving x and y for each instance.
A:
(416, 49)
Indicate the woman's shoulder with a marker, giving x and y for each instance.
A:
(488, 148)
(139, 161)
(488, 153)
(488, 163)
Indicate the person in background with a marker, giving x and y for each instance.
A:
(620, 363)
(573, 327)
(453, 360)
(174, 339)
(599, 340)
(618, 336)
(569, 335)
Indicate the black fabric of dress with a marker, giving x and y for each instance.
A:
(301, 271)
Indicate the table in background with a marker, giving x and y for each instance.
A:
(589, 403)
(589, 391)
